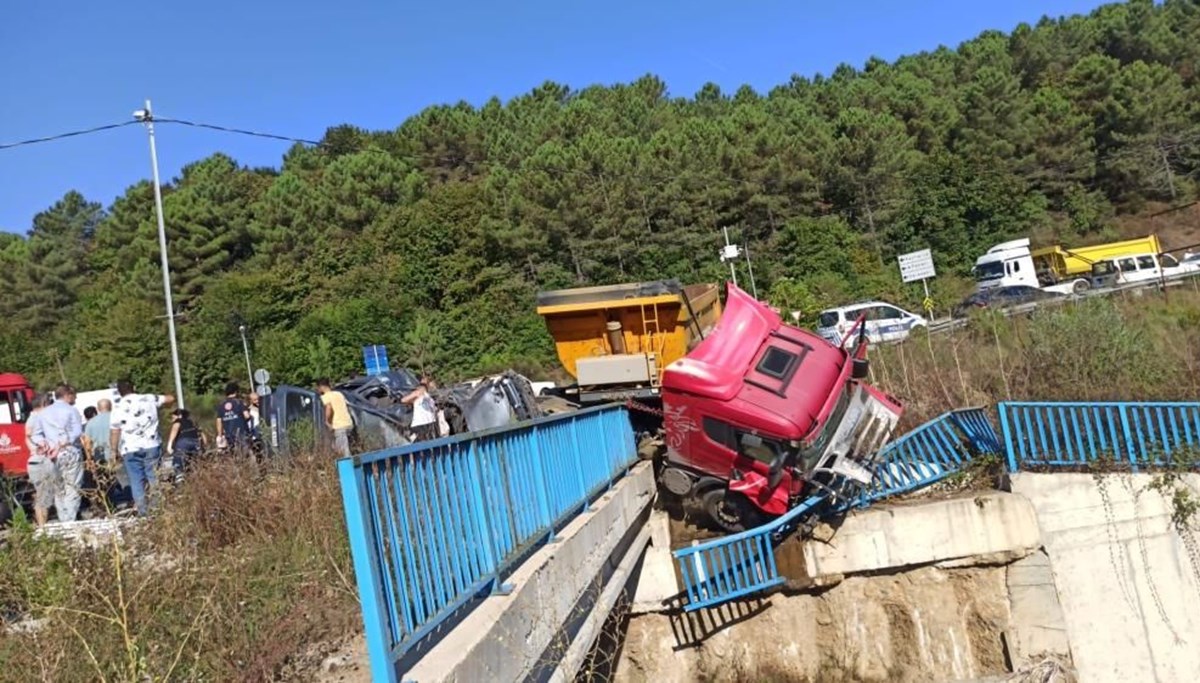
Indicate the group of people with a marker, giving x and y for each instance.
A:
(62, 447)
(120, 440)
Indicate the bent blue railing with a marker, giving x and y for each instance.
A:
(433, 525)
(726, 568)
(1071, 435)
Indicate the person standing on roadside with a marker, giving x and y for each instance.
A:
(337, 416)
(40, 469)
(96, 447)
(424, 417)
(185, 441)
(58, 432)
(134, 434)
(233, 421)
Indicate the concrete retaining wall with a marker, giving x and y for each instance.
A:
(994, 525)
(1129, 591)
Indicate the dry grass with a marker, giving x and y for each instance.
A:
(242, 569)
(1127, 347)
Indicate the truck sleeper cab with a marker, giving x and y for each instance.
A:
(760, 411)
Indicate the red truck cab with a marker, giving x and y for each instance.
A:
(16, 396)
(759, 410)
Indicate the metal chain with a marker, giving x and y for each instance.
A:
(634, 405)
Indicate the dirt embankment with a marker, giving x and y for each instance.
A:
(929, 624)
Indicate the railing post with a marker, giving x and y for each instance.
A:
(577, 459)
(1006, 434)
(359, 522)
(1122, 408)
(539, 480)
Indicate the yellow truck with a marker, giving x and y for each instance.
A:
(1057, 264)
(616, 340)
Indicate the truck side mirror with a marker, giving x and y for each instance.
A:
(861, 368)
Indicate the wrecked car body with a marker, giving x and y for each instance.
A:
(293, 417)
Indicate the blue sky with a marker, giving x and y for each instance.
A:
(298, 67)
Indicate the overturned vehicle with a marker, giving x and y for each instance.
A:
(293, 417)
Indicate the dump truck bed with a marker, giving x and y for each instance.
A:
(659, 323)
(1065, 262)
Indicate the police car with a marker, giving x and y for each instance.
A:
(885, 322)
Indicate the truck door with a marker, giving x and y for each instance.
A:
(743, 450)
(14, 408)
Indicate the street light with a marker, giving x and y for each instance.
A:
(147, 117)
(246, 349)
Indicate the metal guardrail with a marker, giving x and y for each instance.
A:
(730, 567)
(740, 564)
(1060, 434)
(950, 324)
(433, 525)
(928, 454)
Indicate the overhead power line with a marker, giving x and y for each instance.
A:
(239, 131)
(60, 136)
(181, 122)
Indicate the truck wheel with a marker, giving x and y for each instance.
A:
(1081, 286)
(730, 511)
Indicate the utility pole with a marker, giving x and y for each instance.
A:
(246, 349)
(147, 117)
(750, 267)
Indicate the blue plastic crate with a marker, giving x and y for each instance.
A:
(376, 359)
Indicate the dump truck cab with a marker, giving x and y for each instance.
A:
(761, 411)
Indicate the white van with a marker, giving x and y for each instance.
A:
(885, 322)
(1135, 268)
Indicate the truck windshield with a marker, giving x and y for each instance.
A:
(989, 271)
(810, 455)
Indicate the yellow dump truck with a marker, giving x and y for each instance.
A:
(616, 340)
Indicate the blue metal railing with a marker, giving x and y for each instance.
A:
(733, 566)
(1139, 434)
(927, 454)
(433, 525)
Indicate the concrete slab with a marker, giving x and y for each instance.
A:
(1038, 627)
(996, 525)
(657, 582)
(507, 637)
(1129, 593)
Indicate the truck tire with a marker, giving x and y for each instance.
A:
(729, 511)
(1081, 286)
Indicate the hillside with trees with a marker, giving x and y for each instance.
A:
(433, 238)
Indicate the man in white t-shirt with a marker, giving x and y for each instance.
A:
(134, 435)
(424, 418)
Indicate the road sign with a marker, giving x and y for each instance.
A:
(262, 390)
(261, 376)
(916, 266)
(730, 252)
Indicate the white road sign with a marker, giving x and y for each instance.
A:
(261, 376)
(916, 266)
